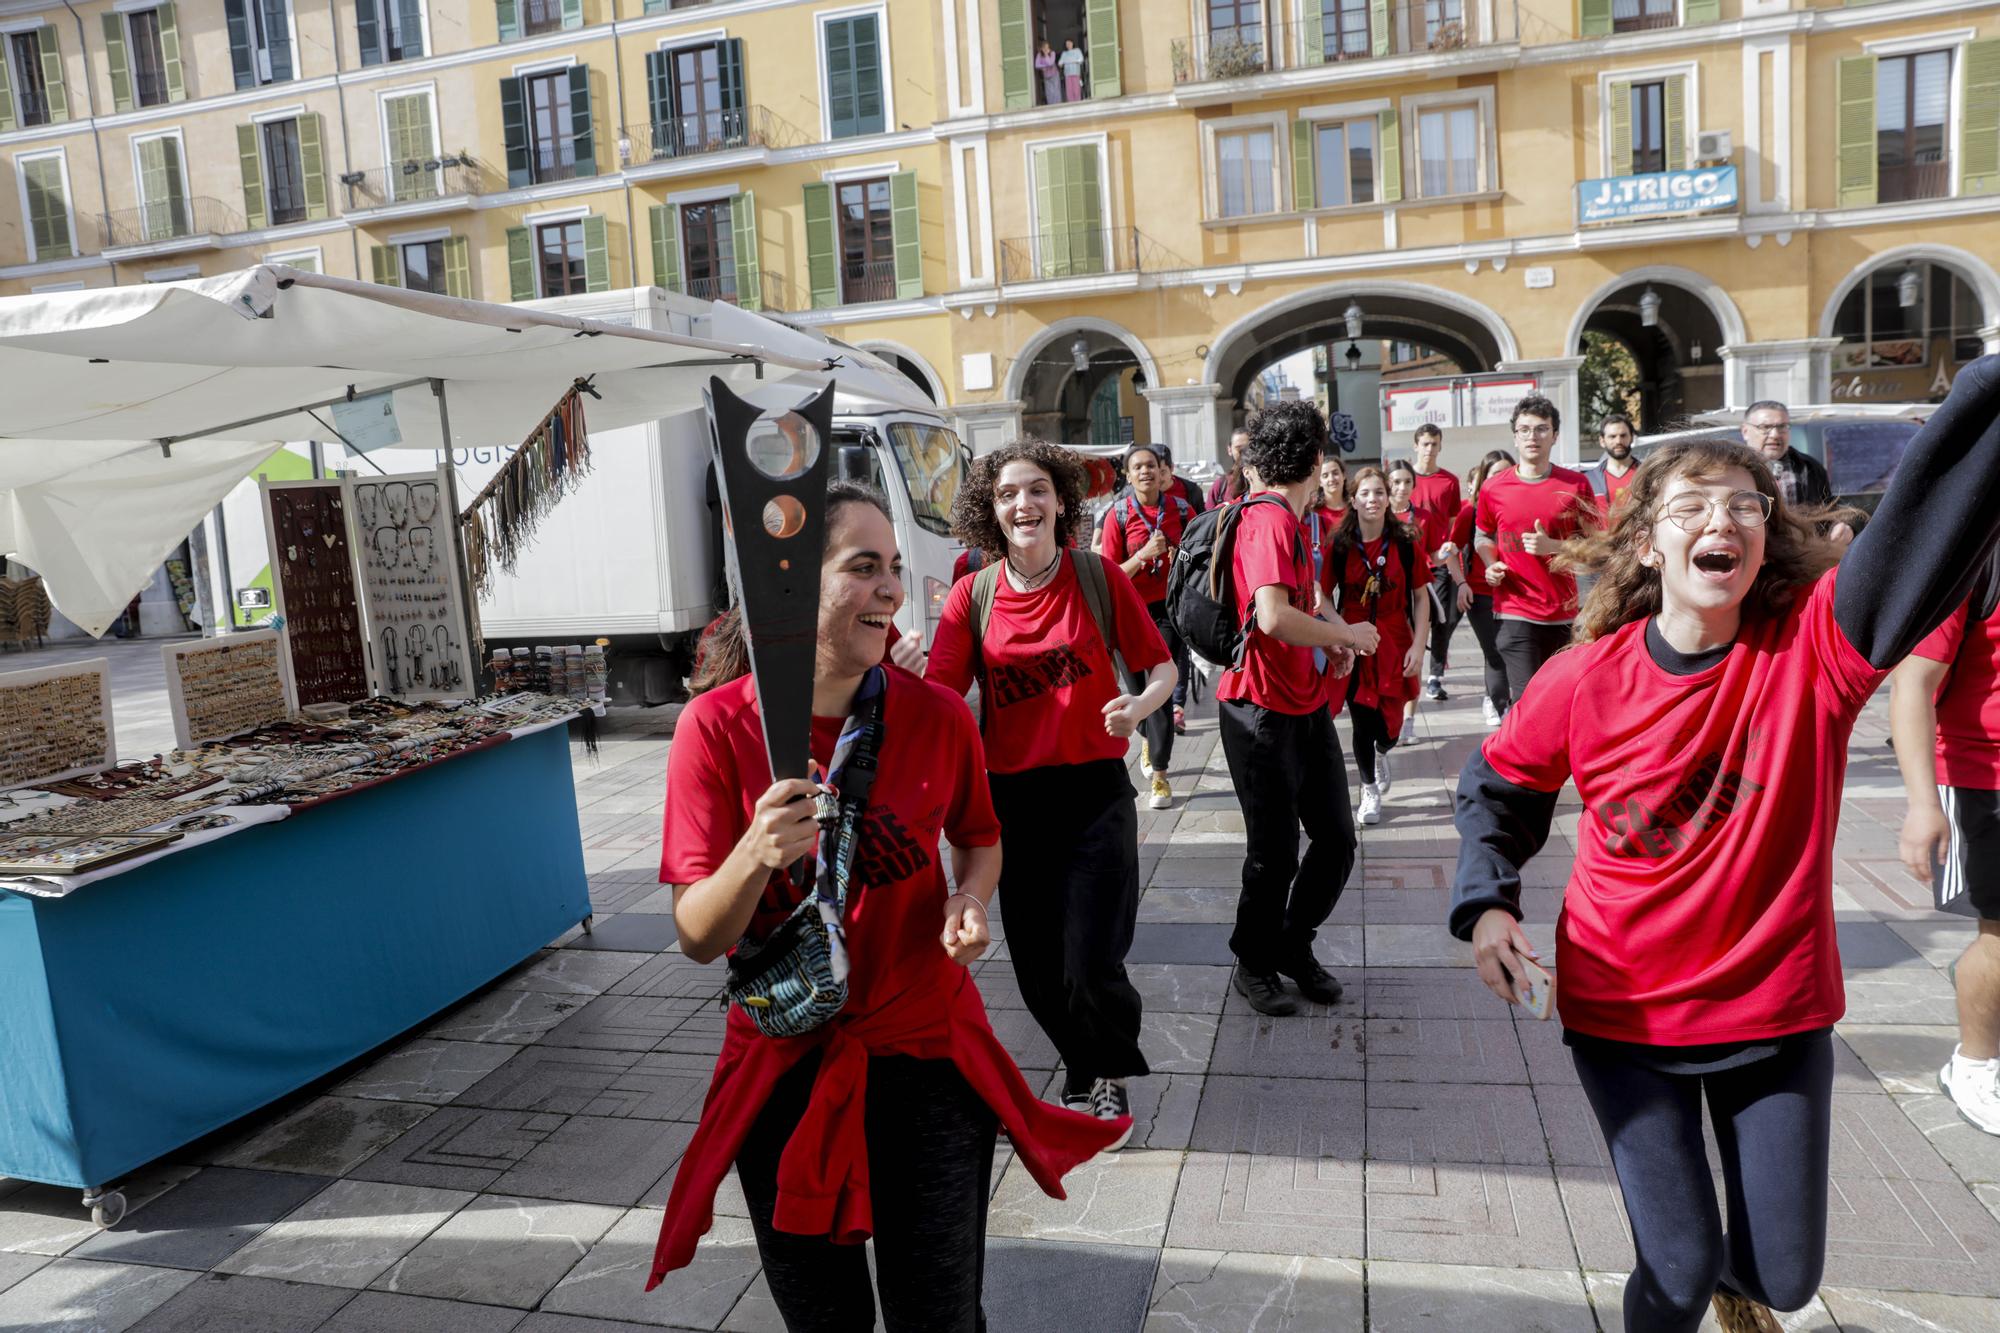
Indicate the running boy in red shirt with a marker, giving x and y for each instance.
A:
(1437, 492)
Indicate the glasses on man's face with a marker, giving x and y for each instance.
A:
(1689, 511)
(1772, 427)
(1533, 432)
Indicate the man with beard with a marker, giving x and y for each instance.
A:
(1613, 472)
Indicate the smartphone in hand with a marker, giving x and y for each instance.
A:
(1538, 997)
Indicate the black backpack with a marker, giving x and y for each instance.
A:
(1201, 596)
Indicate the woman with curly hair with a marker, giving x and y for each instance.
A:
(1703, 712)
(1042, 638)
(1381, 575)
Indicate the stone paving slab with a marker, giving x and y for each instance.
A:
(379, 1312)
(574, 971)
(1039, 1286)
(501, 1250)
(1419, 1297)
(609, 1283)
(427, 1071)
(82, 1296)
(348, 1234)
(201, 1223)
(459, 1148)
(328, 1136)
(217, 1302)
(1114, 1199)
(515, 1017)
(1209, 1291)
(1326, 1045)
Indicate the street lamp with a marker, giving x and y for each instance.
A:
(1079, 355)
(1352, 316)
(1353, 355)
(1649, 307)
(1909, 286)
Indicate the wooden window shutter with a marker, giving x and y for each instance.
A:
(1979, 119)
(1086, 210)
(312, 164)
(730, 84)
(584, 139)
(170, 53)
(1312, 34)
(248, 151)
(514, 129)
(242, 59)
(50, 49)
(906, 229)
(1856, 175)
(1618, 152)
(596, 254)
(1380, 16)
(572, 14)
(1017, 56)
(822, 246)
(1389, 171)
(1100, 26)
(6, 93)
(665, 220)
(458, 267)
(1593, 18)
(1675, 98)
(507, 14)
(388, 260)
(119, 65)
(48, 211)
(367, 32)
(749, 263)
(1305, 189)
(520, 264)
(1700, 11)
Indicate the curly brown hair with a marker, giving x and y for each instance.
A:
(1794, 552)
(973, 521)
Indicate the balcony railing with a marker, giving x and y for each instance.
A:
(710, 132)
(1919, 180)
(1341, 32)
(1631, 16)
(874, 280)
(1081, 253)
(443, 177)
(771, 289)
(169, 220)
(538, 16)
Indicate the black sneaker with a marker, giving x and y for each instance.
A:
(1434, 689)
(1108, 1101)
(1265, 992)
(1078, 1097)
(1315, 982)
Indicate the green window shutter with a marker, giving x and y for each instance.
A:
(730, 83)
(1677, 121)
(1312, 34)
(163, 205)
(508, 14)
(1379, 18)
(822, 247)
(1086, 211)
(247, 151)
(410, 140)
(48, 211)
(1305, 189)
(410, 16)
(1700, 11)
(120, 67)
(1979, 119)
(1100, 27)
(840, 114)
(1620, 148)
(1593, 18)
(520, 264)
(236, 18)
(749, 263)
(388, 264)
(170, 53)
(1051, 208)
(580, 122)
(6, 94)
(312, 164)
(665, 220)
(367, 32)
(177, 204)
(904, 224)
(458, 267)
(52, 74)
(1017, 56)
(1856, 94)
(596, 255)
(514, 128)
(1389, 171)
(573, 18)
(655, 7)
(660, 100)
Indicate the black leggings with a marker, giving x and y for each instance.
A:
(930, 1170)
(1487, 630)
(1158, 728)
(1371, 737)
(1069, 889)
(1773, 1122)
(1444, 619)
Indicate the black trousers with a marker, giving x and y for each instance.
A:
(1288, 774)
(930, 1172)
(1773, 1124)
(1371, 737)
(1158, 728)
(1444, 619)
(1524, 645)
(1486, 629)
(1069, 889)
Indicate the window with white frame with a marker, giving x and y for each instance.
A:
(423, 265)
(1344, 168)
(854, 59)
(1448, 151)
(45, 205)
(260, 41)
(28, 74)
(284, 171)
(1246, 175)
(389, 30)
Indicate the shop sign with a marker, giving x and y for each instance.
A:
(1656, 194)
(1460, 401)
(1407, 409)
(1493, 400)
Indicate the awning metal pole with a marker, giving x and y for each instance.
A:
(475, 640)
(165, 440)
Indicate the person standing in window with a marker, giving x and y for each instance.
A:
(1045, 62)
(1071, 61)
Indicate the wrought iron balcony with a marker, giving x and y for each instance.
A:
(1079, 253)
(692, 136)
(168, 222)
(874, 280)
(1343, 30)
(770, 286)
(446, 177)
(1918, 180)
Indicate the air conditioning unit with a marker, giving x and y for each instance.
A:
(1712, 146)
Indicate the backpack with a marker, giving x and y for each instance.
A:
(1090, 578)
(1201, 600)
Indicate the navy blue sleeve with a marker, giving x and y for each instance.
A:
(1929, 539)
(1501, 826)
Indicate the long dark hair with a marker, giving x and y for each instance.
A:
(1347, 537)
(975, 524)
(723, 653)
(1495, 459)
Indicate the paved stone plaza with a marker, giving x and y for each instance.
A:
(1415, 1157)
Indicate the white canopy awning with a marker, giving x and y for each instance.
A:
(92, 381)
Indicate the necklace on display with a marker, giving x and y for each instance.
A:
(1030, 582)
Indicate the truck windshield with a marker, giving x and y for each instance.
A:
(932, 468)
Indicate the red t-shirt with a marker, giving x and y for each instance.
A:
(1048, 672)
(1379, 681)
(1117, 541)
(1700, 905)
(1270, 551)
(1438, 492)
(1614, 487)
(1461, 534)
(1433, 529)
(963, 565)
(1509, 507)
(930, 779)
(1968, 703)
(1178, 485)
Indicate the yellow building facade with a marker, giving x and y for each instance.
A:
(1112, 239)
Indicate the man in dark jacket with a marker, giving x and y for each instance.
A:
(1802, 479)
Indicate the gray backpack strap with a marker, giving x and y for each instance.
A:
(1096, 585)
(985, 587)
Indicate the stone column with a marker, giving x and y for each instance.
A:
(1989, 339)
(1795, 370)
(1190, 420)
(1559, 385)
(987, 426)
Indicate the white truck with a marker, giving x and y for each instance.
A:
(634, 553)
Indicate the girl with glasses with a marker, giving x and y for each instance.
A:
(1704, 713)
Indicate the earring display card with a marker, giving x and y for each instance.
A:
(314, 586)
(220, 688)
(406, 534)
(55, 722)
(34, 854)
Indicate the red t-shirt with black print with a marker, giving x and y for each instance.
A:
(930, 779)
(1048, 672)
(1270, 551)
(1968, 703)
(1119, 540)
(1509, 507)
(1697, 909)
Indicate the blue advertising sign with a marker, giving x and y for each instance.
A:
(1658, 194)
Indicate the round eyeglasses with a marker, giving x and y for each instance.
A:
(1689, 512)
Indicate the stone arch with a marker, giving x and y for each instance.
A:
(1486, 339)
(1967, 265)
(895, 352)
(1024, 360)
(1711, 294)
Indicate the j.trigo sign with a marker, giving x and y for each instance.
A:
(1657, 194)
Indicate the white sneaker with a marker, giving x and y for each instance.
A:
(1382, 779)
(1162, 793)
(1489, 712)
(1371, 803)
(1974, 1088)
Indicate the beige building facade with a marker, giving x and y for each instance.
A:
(1760, 198)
